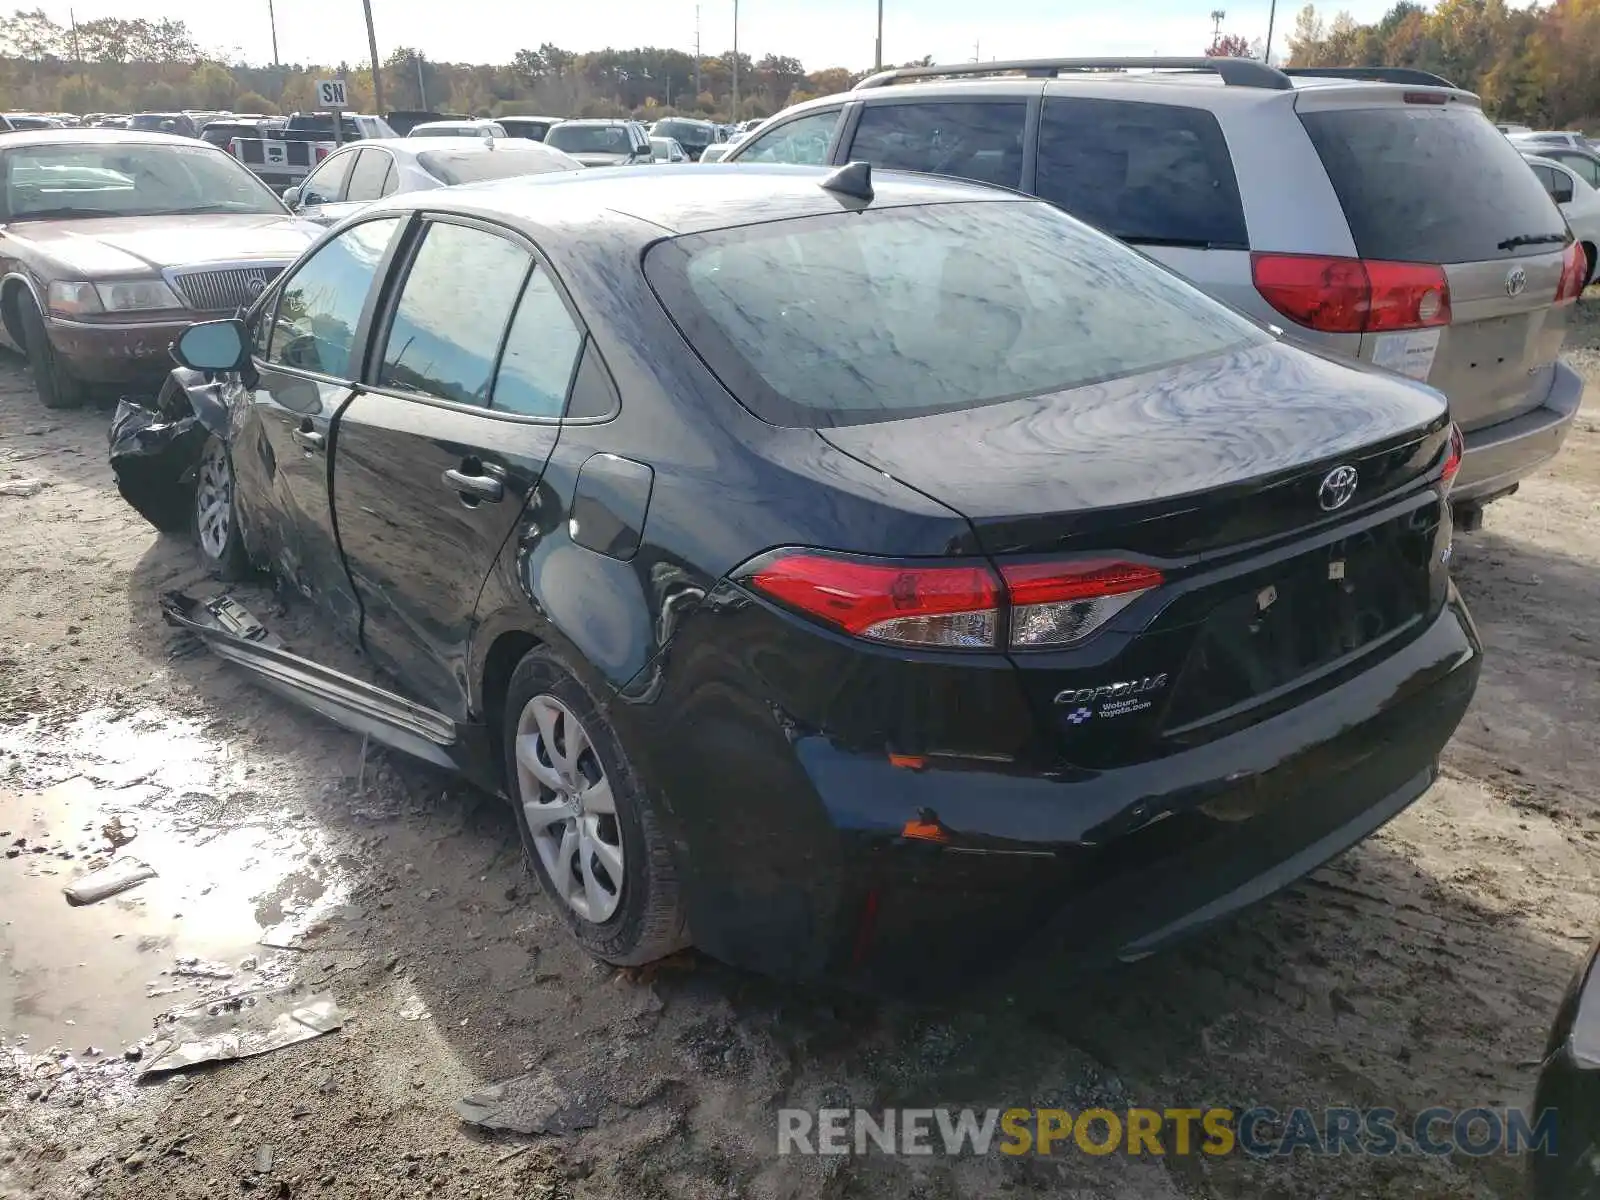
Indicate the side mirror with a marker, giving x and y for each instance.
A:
(211, 346)
(291, 196)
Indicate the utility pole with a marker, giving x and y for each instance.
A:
(1217, 16)
(735, 117)
(1272, 16)
(83, 67)
(697, 55)
(272, 20)
(372, 49)
(877, 54)
(422, 88)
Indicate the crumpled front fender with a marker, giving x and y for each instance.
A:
(154, 449)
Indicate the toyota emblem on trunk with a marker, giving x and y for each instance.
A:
(1516, 281)
(1338, 485)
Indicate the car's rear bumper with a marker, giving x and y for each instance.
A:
(812, 871)
(131, 352)
(1499, 456)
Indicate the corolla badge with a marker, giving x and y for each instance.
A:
(1516, 281)
(1338, 486)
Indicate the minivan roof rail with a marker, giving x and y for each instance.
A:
(1371, 74)
(1235, 72)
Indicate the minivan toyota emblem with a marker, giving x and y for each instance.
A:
(1338, 485)
(1516, 281)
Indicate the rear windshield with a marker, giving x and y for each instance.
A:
(896, 312)
(474, 166)
(687, 133)
(589, 139)
(1433, 183)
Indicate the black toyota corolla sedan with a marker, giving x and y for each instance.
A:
(848, 574)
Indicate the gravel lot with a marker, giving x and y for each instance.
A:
(1421, 968)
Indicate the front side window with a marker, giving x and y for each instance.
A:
(325, 185)
(890, 313)
(803, 140)
(320, 305)
(127, 179)
(454, 307)
(981, 141)
(541, 351)
(366, 179)
(1151, 174)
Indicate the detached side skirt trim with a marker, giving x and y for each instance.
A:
(234, 634)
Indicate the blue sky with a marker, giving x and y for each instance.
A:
(820, 33)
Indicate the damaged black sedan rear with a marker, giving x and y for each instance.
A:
(831, 568)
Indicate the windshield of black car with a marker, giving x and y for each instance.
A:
(685, 133)
(474, 166)
(589, 139)
(126, 179)
(893, 312)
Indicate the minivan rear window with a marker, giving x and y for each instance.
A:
(897, 312)
(1432, 183)
(1151, 174)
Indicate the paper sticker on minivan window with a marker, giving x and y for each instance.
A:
(1409, 354)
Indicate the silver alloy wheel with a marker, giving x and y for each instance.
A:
(213, 499)
(567, 802)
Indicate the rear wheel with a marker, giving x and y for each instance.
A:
(55, 384)
(216, 523)
(588, 828)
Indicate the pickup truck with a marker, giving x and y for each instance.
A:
(284, 157)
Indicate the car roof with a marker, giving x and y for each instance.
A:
(100, 134)
(600, 121)
(413, 146)
(710, 197)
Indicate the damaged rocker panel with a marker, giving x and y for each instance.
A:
(234, 634)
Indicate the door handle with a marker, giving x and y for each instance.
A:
(480, 487)
(310, 439)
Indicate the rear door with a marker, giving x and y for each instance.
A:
(1426, 179)
(306, 358)
(439, 452)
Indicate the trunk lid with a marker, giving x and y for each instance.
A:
(1423, 177)
(1190, 460)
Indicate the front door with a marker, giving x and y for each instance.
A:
(305, 362)
(440, 451)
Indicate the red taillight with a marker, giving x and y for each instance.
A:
(953, 605)
(1452, 458)
(934, 605)
(1574, 265)
(1352, 295)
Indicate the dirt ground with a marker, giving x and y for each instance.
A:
(1421, 968)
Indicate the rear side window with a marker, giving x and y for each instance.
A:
(981, 141)
(541, 351)
(452, 314)
(1432, 183)
(1585, 168)
(889, 313)
(1156, 174)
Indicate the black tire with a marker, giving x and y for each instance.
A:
(55, 384)
(649, 921)
(217, 536)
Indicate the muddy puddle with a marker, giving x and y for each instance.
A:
(105, 789)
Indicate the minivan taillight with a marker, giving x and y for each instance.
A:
(1574, 265)
(1352, 295)
(950, 604)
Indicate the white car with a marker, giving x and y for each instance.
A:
(364, 171)
(667, 150)
(459, 129)
(1578, 202)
